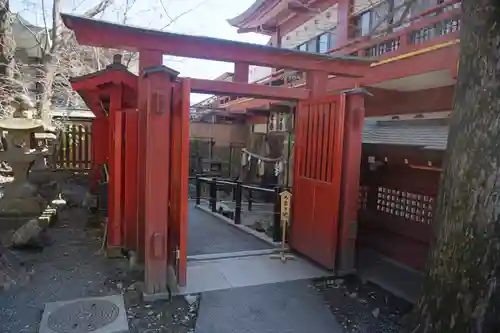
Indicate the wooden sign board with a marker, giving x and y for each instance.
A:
(286, 200)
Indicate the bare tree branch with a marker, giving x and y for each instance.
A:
(99, 8)
(389, 17)
(34, 34)
(62, 57)
(172, 20)
(48, 42)
(56, 25)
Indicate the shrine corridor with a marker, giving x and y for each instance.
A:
(209, 235)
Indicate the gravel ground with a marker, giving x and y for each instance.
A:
(71, 267)
(363, 307)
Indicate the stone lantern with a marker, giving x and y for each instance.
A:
(20, 197)
(40, 172)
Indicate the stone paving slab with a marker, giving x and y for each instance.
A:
(289, 307)
(246, 271)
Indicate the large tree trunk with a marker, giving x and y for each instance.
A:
(7, 62)
(45, 87)
(462, 289)
(7, 43)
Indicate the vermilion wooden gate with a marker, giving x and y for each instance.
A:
(161, 191)
(317, 178)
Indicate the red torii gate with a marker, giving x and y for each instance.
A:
(319, 227)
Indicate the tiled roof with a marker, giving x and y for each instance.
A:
(72, 113)
(421, 133)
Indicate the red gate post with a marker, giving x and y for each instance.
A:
(179, 171)
(159, 83)
(115, 183)
(130, 184)
(147, 59)
(351, 166)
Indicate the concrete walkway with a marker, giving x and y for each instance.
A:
(289, 307)
(209, 275)
(250, 294)
(209, 235)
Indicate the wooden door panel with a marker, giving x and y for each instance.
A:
(317, 178)
(302, 218)
(324, 229)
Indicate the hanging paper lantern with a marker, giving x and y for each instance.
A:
(278, 168)
(261, 168)
(273, 122)
(244, 159)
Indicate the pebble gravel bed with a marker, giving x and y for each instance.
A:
(363, 307)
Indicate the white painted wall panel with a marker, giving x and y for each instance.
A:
(317, 25)
(362, 5)
(260, 128)
(256, 72)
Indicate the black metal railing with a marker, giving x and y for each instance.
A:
(244, 198)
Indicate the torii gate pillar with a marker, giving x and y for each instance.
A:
(159, 83)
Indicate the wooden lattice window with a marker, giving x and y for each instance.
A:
(384, 47)
(438, 29)
(363, 197)
(407, 205)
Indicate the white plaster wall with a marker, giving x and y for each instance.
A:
(362, 5)
(260, 128)
(26, 41)
(317, 25)
(256, 72)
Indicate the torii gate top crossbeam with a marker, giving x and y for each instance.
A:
(110, 35)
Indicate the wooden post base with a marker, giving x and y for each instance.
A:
(114, 252)
(283, 256)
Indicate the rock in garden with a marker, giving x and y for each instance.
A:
(12, 271)
(28, 234)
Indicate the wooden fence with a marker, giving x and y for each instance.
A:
(73, 151)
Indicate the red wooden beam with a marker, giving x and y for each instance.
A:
(95, 80)
(249, 90)
(441, 59)
(391, 102)
(105, 34)
(427, 100)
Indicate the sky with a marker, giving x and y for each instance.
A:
(202, 18)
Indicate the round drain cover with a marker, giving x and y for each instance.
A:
(83, 316)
